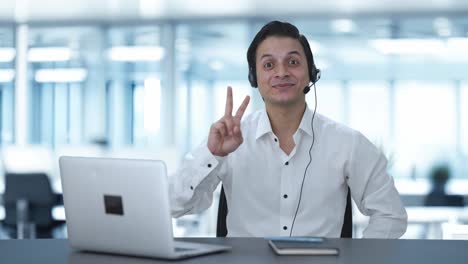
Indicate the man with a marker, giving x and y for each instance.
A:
(286, 169)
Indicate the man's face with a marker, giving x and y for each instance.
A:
(282, 73)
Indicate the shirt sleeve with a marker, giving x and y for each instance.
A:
(374, 192)
(191, 187)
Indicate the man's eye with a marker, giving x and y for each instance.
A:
(293, 62)
(267, 65)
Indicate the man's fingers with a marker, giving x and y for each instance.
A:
(238, 133)
(241, 110)
(228, 110)
(229, 123)
(220, 128)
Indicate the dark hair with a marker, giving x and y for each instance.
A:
(281, 29)
(440, 174)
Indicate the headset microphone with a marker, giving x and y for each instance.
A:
(317, 76)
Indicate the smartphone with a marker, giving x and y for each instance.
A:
(301, 246)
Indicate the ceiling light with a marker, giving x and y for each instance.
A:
(60, 75)
(343, 25)
(49, 54)
(7, 54)
(7, 75)
(136, 53)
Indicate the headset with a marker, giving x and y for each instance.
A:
(314, 76)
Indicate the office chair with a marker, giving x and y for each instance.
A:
(28, 198)
(221, 229)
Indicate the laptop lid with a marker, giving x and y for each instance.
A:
(117, 205)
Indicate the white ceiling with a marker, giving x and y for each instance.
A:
(52, 10)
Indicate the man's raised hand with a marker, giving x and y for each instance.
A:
(225, 134)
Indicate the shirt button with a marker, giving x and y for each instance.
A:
(287, 163)
(285, 196)
(191, 187)
(285, 228)
(209, 165)
(276, 140)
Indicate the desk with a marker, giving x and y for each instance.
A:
(430, 217)
(252, 250)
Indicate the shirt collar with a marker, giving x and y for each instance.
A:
(264, 125)
(305, 122)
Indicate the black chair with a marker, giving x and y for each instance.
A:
(32, 194)
(221, 229)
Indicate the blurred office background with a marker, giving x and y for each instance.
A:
(146, 78)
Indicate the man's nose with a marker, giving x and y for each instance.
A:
(282, 71)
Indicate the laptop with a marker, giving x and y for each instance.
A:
(121, 206)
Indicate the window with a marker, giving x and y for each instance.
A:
(136, 95)
(61, 63)
(7, 78)
(330, 100)
(369, 111)
(201, 111)
(147, 112)
(209, 57)
(464, 120)
(425, 125)
(239, 91)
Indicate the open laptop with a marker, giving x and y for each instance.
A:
(121, 206)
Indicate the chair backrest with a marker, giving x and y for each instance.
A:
(35, 188)
(347, 229)
(221, 229)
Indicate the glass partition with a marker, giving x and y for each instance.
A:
(7, 80)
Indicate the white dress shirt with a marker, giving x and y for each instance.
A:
(262, 183)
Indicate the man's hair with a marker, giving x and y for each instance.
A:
(279, 29)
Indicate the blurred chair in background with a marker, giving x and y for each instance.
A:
(438, 196)
(221, 227)
(28, 201)
(28, 196)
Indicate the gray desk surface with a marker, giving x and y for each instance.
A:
(251, 250)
